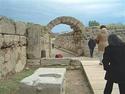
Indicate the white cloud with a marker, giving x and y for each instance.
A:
(82, 1)
(92, 9)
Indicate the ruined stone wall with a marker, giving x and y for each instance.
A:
(68, 42)
(38, 43)
(21, 43)
(12, 46)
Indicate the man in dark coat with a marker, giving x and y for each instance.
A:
(114, 64)
(91, 44)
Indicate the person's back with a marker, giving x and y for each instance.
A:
(114, 64)
(117, 62)
(92, 43)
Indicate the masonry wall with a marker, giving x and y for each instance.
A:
(12, 46)
(19, 42)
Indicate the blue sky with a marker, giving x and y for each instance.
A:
(43, 11)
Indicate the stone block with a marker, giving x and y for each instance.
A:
(1, 62)
(33, 62)
(7, 26)
(21, 59)
(57, 22)
(16, 38)
(7, 66)
(22, 40)
(20, 28)
(44, 81)
(14, 57)
(1, 40)
(34, 44)
(53, 62)
(8, 39)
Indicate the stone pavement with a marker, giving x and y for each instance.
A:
(95, 75)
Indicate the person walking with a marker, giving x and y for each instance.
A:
(91, 44)
(102, 41)
(114, 64)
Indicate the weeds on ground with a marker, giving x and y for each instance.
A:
(11, 84)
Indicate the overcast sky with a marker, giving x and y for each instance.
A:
(43, 11)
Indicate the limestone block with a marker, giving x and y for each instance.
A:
(7, 26)
(13, 57)
(1, 62)
(44, 81)
(42, 31)
(1, 40)
(57, 22)
(22, 40)
(21, 59)
(20, 28)
(33, 62)
(63, 19)
(8, 39)
(42, 39)
(7, 66)
(54, 62)
(16, 39)
(50, 26)
(33, 39)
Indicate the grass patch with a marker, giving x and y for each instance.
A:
(11, 84)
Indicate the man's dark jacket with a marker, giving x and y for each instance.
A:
(91, 43)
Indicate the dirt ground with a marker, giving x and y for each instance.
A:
(76, 83)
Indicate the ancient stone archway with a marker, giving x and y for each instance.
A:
(76, 25)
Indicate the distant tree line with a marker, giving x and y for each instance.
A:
(95, 24)
(116, 26)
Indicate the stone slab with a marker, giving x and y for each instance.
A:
(44, 81)
(33, 40)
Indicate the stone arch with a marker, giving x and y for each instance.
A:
(75, 24)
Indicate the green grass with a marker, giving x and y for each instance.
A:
(11, 84)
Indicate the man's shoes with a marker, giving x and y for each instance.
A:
(100, 63)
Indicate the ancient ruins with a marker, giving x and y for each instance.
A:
(26, 44)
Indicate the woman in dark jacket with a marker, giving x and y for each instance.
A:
(114, 64)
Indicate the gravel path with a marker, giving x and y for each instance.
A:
(76, 83)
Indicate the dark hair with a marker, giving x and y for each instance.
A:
(114, 40)
(102, 26)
